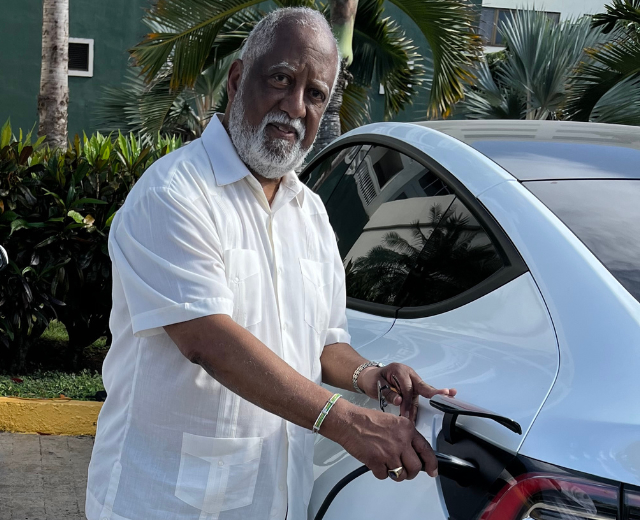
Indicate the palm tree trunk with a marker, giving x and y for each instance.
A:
(53, 100)
(330, 127)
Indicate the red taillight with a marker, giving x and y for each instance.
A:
(553, 497)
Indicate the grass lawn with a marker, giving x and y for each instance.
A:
(46, 375)
(82, 385)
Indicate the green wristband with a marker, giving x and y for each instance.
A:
(325, 411)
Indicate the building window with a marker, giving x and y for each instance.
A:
(492, 19)
(81, 57)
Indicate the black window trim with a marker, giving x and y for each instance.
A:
(514, 265)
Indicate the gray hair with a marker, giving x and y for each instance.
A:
(261, 38)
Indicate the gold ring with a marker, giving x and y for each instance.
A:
(395, 473)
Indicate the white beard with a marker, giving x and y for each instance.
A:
(269, 158)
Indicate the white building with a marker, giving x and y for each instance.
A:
(496, 11)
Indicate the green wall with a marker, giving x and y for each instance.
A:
(114, 25)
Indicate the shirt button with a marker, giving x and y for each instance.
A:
(220, 463)
(281, 487)
(284, 326)
(280, 270)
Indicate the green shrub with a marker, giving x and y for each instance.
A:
(55, 211)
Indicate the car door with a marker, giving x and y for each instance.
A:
(425, 261)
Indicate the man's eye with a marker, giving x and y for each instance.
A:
(281, 78)
(317, 94)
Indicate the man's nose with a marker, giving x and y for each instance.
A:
(293, 103)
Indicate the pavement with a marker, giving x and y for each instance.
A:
(43, 477)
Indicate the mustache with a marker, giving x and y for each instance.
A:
(284, 119)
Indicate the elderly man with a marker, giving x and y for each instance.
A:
(229, 311)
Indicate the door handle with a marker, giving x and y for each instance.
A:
(453, 408)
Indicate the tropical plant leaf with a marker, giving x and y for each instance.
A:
(184, 32)
(489, 100)
(616, 61)
(384, 55)
(233, 35)
(5, 134)
(621, 14)
(541, 55)
(355, 108)
(448, 26)
(620, 105)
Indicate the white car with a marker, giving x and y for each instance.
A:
(501, 258)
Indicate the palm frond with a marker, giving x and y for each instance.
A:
(621, 14)
(486, 99)
(297, 3)
(136, 107)
(382, 53)
(620, 105)
(448, 26)
(184, 32)
(232, 36)
(611, 63)
(540, 57)
(355, 109)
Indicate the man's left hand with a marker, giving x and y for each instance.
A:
(406, 381)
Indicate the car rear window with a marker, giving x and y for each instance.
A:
(543, 160)
(605, 215)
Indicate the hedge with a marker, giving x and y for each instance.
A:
(56, 207)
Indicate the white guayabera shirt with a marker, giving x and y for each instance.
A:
(197, 237)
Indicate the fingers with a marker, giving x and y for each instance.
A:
(395, 465)
(379, 471)
(415, 403)
(429, 391)
(424, 451)
(400, 377)
(412, 464)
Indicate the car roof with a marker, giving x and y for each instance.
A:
(551, 150)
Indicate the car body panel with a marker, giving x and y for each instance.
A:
(557, 349)
(365, 328)
(498, 345)
(534, 150)
(591, 420)
(473, 169)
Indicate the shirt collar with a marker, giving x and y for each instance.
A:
(227, 165)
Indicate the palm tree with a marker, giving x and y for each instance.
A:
(137, 107)
(606, 88)
(189, 36)
(53, 100)
(531, 79)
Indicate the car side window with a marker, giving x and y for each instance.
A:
(405, 238)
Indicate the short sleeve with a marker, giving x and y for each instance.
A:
(167, 252)
(338, 331)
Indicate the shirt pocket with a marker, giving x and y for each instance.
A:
(217, 474)
(317, 278)
(242, 268)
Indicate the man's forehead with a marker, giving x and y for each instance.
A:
(301, 47)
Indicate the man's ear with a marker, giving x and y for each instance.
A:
(233, 79)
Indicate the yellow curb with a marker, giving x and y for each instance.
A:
(50, 416)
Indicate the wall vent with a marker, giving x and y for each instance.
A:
(81, 57)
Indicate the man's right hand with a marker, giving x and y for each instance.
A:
(381, 441)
